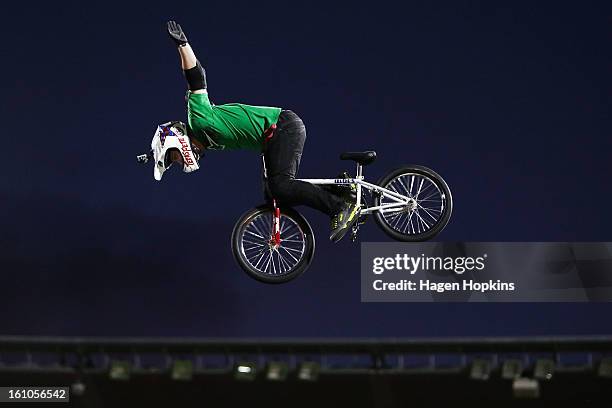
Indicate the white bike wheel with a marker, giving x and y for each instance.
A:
(432, 207)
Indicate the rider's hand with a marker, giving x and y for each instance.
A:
(176, 33)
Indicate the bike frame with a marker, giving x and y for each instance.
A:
(399, 201)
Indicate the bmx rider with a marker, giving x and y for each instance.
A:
(278, 133)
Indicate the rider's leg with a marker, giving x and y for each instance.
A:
(282, 154)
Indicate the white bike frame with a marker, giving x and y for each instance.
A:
(399, 201)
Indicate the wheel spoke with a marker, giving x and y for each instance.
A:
(273, 266)
(420, 187)
(254, 234)
(406, 221)
(405, 187)
(429, 213)
(261, 232)
(411, 225)
(287, 238)
(252, 242)
(286, 262)
(293, 240)
(261, 258)
(429, 196)
(291, 255)
(423, 223)
(269, 258)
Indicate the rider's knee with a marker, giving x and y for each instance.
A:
(280, 187)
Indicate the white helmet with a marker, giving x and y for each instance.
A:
(169, 136)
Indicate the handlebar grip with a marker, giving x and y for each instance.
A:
(144, 158)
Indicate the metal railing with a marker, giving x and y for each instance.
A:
(332, 356)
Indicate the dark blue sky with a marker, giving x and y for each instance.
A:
(509, 102)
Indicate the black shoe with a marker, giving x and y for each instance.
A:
(343, 221)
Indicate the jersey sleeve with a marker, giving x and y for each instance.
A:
(199, 107)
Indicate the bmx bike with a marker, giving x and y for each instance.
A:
(411, 203)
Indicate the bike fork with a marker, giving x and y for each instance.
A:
(276, 239)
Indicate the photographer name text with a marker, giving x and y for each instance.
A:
(454, 266)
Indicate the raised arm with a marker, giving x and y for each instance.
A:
(193, 70)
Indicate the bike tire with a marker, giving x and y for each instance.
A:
(300, 226)
(445, 212)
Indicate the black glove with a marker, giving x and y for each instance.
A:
(176, 33)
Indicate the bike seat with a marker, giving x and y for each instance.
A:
(363, 158)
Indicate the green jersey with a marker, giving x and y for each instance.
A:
(229, 126)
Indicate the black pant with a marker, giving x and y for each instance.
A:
(282, 154)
